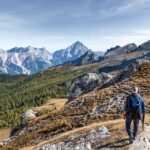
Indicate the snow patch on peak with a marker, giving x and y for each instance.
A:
(30, 60)
(72, 52)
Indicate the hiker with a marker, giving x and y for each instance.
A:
(134, 111)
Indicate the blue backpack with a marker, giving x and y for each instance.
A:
(135, 106)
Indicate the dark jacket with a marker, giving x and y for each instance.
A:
(141, 109)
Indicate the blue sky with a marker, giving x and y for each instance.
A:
(55, 24)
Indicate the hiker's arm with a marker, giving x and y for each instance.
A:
(126, 107)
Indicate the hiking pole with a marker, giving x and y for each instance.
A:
(143, 121)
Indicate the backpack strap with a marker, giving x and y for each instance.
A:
(139, 107)
(130, 103)
(137, 98)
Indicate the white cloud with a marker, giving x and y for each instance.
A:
(125, 7)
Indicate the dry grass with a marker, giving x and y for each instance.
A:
(52, 104)
(4, 133)
(116, 129)
(76, 131)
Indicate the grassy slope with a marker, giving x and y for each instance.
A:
(18, 93)
(75, 115)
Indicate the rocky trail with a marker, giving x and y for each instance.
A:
(143, 140)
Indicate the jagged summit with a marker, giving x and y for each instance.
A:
(25, 60)
(72, 52)
(77, 42)
(121, 50)
(30, 60)
(22, 58)
(145, 45)
(25, 49)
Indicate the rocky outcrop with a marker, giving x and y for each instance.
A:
(88, 58)
(121, 50)
(27, 116)
(87, 83)
(83, 141)
(115, 105)
(145, 46)
(111, 50)
(133, 68)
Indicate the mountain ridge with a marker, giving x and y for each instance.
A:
(31, 60)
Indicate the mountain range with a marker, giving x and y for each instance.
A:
(30, 60)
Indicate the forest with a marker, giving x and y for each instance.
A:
(18, 93)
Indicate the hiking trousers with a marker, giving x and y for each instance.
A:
(130, 132)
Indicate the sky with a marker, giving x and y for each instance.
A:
(56, 24)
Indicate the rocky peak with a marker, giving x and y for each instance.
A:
(121, 50)
(88, 58)
(145, 46)
(129, 47)
(72, 52)
(25, 49)
(2, 51)
(77, 43)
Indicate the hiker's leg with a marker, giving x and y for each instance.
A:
(136, 126)
(128, 126)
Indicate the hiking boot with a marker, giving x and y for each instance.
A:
(130, 140)
(134, 138)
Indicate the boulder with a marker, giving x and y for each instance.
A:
(103, 130)
(28, 115)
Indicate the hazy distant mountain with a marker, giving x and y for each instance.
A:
(99, 53)
(70, 53)
(27, 60)
(30, 60)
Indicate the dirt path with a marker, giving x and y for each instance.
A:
(143, 140)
